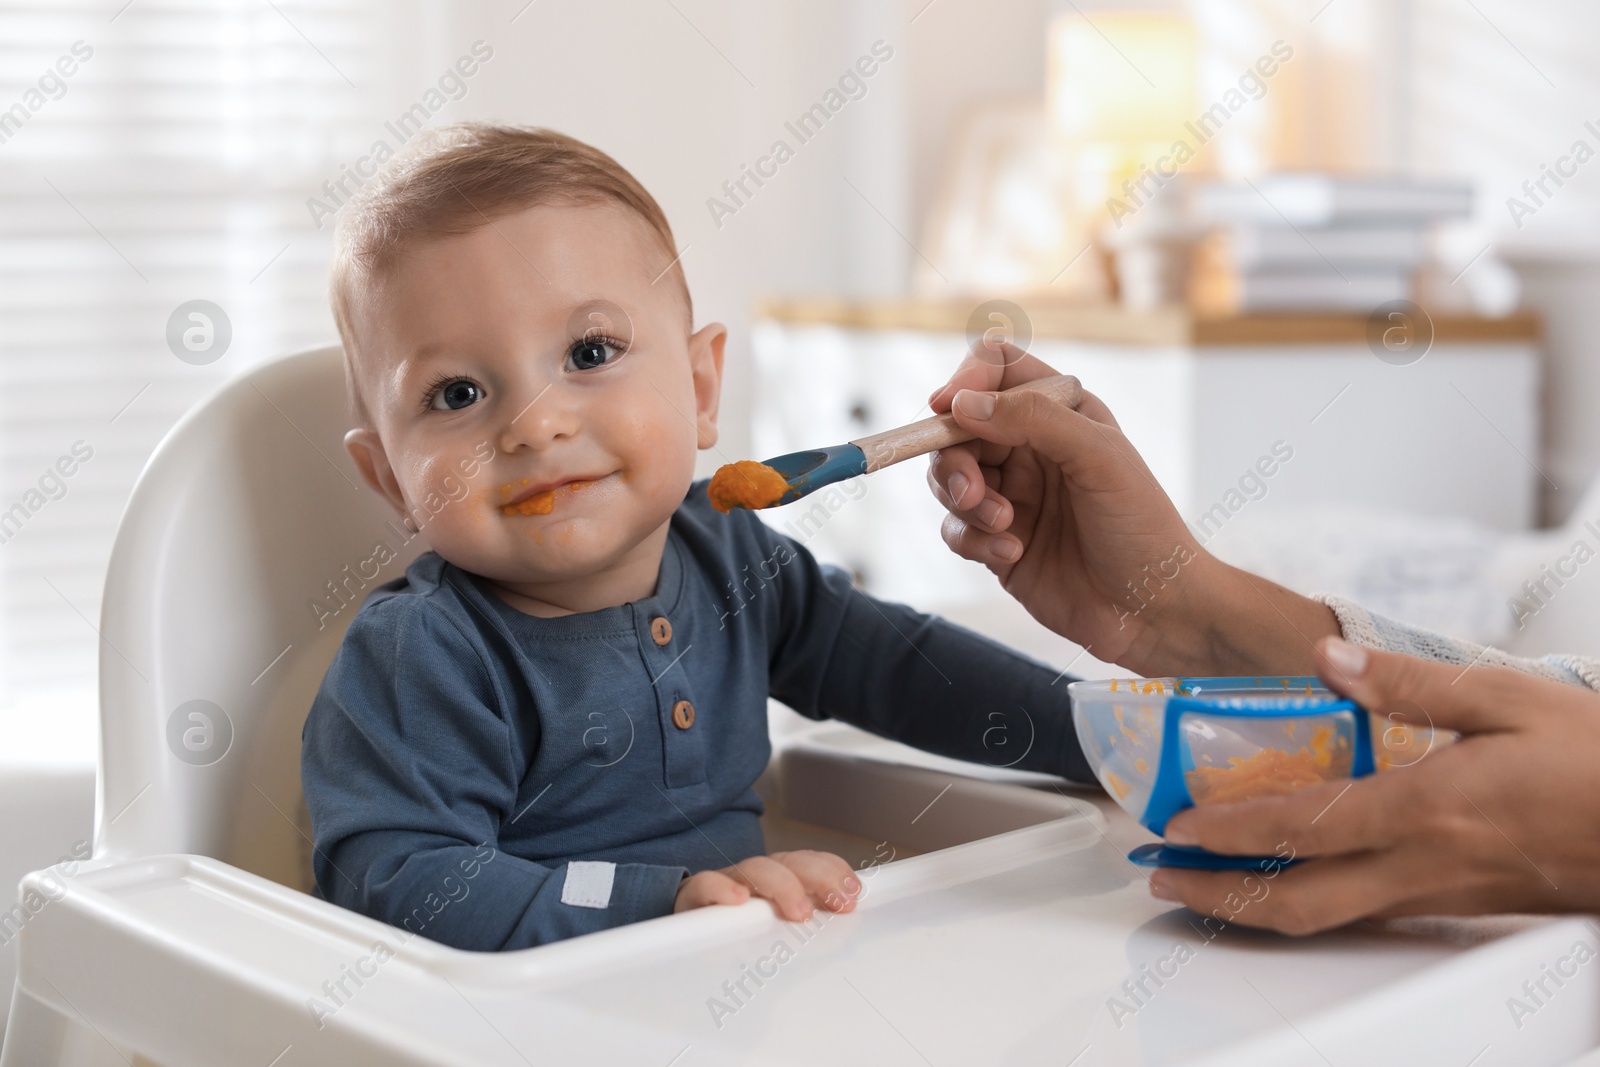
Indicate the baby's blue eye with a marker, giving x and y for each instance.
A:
(456, 395)
(592, 352)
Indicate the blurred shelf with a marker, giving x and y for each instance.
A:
(1216, 407)
(1161, 326)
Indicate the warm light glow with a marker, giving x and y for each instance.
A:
(1122, 85)
(1126, 77)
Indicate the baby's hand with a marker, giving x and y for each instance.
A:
(795, 882)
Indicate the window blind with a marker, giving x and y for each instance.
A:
(150, 154)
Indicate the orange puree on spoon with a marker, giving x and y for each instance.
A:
(745, 484)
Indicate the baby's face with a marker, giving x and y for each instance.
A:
(536, 396)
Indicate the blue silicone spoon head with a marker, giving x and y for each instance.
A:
(809, 471)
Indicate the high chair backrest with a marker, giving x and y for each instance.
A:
(246, 548)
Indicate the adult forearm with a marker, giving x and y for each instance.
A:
(1227, 621)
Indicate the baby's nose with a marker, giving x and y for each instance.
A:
(545, 417)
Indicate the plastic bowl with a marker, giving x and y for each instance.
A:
(1160, 745)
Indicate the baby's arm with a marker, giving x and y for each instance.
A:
(480, 898)
(838, 653)
(409, 772)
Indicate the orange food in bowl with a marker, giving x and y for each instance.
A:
(1271, 772)
(745, 484)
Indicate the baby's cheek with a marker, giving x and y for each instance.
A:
(432, 481)
(477, 511)
(663, 419)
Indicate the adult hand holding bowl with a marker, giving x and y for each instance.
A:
(1160, 746)
(1505, 820)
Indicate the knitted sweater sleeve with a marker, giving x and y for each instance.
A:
(1362, 627)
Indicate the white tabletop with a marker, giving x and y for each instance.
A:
(1027, 966)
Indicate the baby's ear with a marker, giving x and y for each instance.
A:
(366, 450)
(705, 362)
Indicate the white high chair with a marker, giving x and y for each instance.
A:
(190, 939)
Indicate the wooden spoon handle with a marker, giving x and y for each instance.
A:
(928, 435)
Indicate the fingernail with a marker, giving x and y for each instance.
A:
(1008, 551)
(1160, 888)
(958, 487)
(1180, 833)
(975, 405)
(1350, 659)
(852, 884)
(988, 511)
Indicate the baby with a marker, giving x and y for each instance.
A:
(552, 723)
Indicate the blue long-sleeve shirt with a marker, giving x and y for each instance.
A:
(495, 780)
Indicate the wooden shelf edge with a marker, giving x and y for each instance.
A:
(1109, 323)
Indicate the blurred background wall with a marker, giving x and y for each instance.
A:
(178, 160)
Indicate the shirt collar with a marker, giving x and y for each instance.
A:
(616, 619)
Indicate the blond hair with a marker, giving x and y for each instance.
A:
(457, 178)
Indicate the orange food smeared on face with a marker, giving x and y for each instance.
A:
(745, 484)
(537, 504)
(540, 503)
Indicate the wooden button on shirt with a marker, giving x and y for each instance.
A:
(683, 714)
(660, 630)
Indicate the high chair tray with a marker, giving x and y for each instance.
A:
(1000, 924)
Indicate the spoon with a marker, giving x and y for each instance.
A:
(789, 477)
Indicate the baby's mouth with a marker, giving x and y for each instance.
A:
(541, 499)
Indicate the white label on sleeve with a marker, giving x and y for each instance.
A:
(588, 884)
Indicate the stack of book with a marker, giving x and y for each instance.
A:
(1316, 242)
